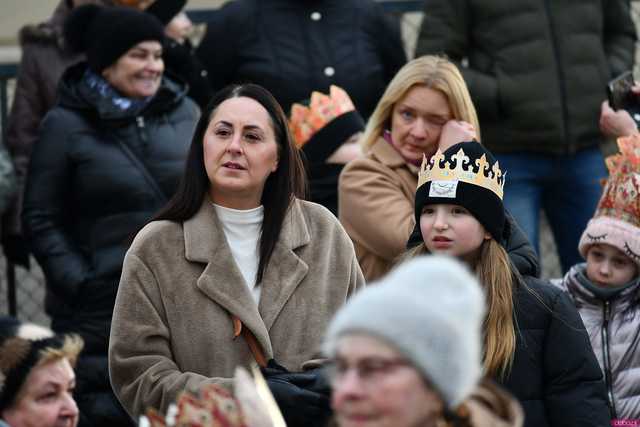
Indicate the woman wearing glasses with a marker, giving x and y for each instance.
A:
(389, 370)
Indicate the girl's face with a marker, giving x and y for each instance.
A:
(452, 230)
(374, 386)
(416, 122)
(609, 267)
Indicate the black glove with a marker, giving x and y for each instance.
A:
(303, 397)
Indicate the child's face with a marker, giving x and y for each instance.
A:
(452, 230)
(609, 267)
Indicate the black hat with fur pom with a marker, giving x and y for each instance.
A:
(105, 34)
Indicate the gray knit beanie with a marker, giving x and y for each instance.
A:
(431, 310)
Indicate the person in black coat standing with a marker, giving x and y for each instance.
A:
(110, 154)
(535, 343)
(293, 47)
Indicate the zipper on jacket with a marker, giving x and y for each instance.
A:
(142, 130)
(560, 70)
(607, 359)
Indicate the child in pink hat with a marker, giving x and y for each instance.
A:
(606, 289)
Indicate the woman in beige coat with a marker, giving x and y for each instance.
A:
(235, 268)
(426, 106)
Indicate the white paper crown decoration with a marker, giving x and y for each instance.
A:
(484, 175)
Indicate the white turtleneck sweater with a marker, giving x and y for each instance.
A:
(242, 230)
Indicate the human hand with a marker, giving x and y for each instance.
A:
(455, 131)
(345, 153)
(617, 123)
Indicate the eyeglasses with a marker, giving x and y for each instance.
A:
(369, 370)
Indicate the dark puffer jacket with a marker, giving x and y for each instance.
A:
(97, 175)
(537, 69)
(44, 59)
(555, 374)
(293, 47)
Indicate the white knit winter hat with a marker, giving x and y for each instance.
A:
(431, 310)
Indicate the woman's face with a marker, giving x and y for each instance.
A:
(416, 122)
(137, 73)
(240, 152)
(374, 386)
(452, 230)
(45, 399)
(179, 27)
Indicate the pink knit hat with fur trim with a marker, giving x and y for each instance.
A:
(617, 218)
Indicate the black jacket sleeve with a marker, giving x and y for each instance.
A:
(218, 50)
(47, 204)
(389, 40)
(574, 392)
(521, 253)
(619, 35)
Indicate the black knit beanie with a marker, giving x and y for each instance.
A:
(335, 133)
(21, 346)
(483, 203)
(165, 10)
(105, 34)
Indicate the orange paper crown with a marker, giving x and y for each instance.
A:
(621, 195)
(306, 121)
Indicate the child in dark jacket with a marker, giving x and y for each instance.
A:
(606, 289)
(534, 341)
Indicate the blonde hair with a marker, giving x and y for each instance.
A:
(434, 72)
(494, 272)
(71, 347)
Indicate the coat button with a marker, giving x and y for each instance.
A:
(203, 73)
(329, 71)
(316, 16)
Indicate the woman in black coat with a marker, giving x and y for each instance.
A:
(110, 155)
(293, 47)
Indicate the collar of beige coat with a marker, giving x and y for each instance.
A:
(205, 243)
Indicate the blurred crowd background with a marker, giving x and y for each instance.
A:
(16, 13)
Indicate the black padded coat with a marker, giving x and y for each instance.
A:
(537, 70)
(555, 374)
(97, 175)
(292, 47)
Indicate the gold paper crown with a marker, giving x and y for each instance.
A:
(621, 196)
(306, 121)
(492, 180)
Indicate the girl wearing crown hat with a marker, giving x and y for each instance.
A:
(534, 340)
(606, 289)
(426, 106)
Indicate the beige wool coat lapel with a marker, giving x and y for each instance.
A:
(226, 286)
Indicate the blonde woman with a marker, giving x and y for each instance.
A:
(426, 106)
(534, 341)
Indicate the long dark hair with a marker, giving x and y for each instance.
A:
(280, 189)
